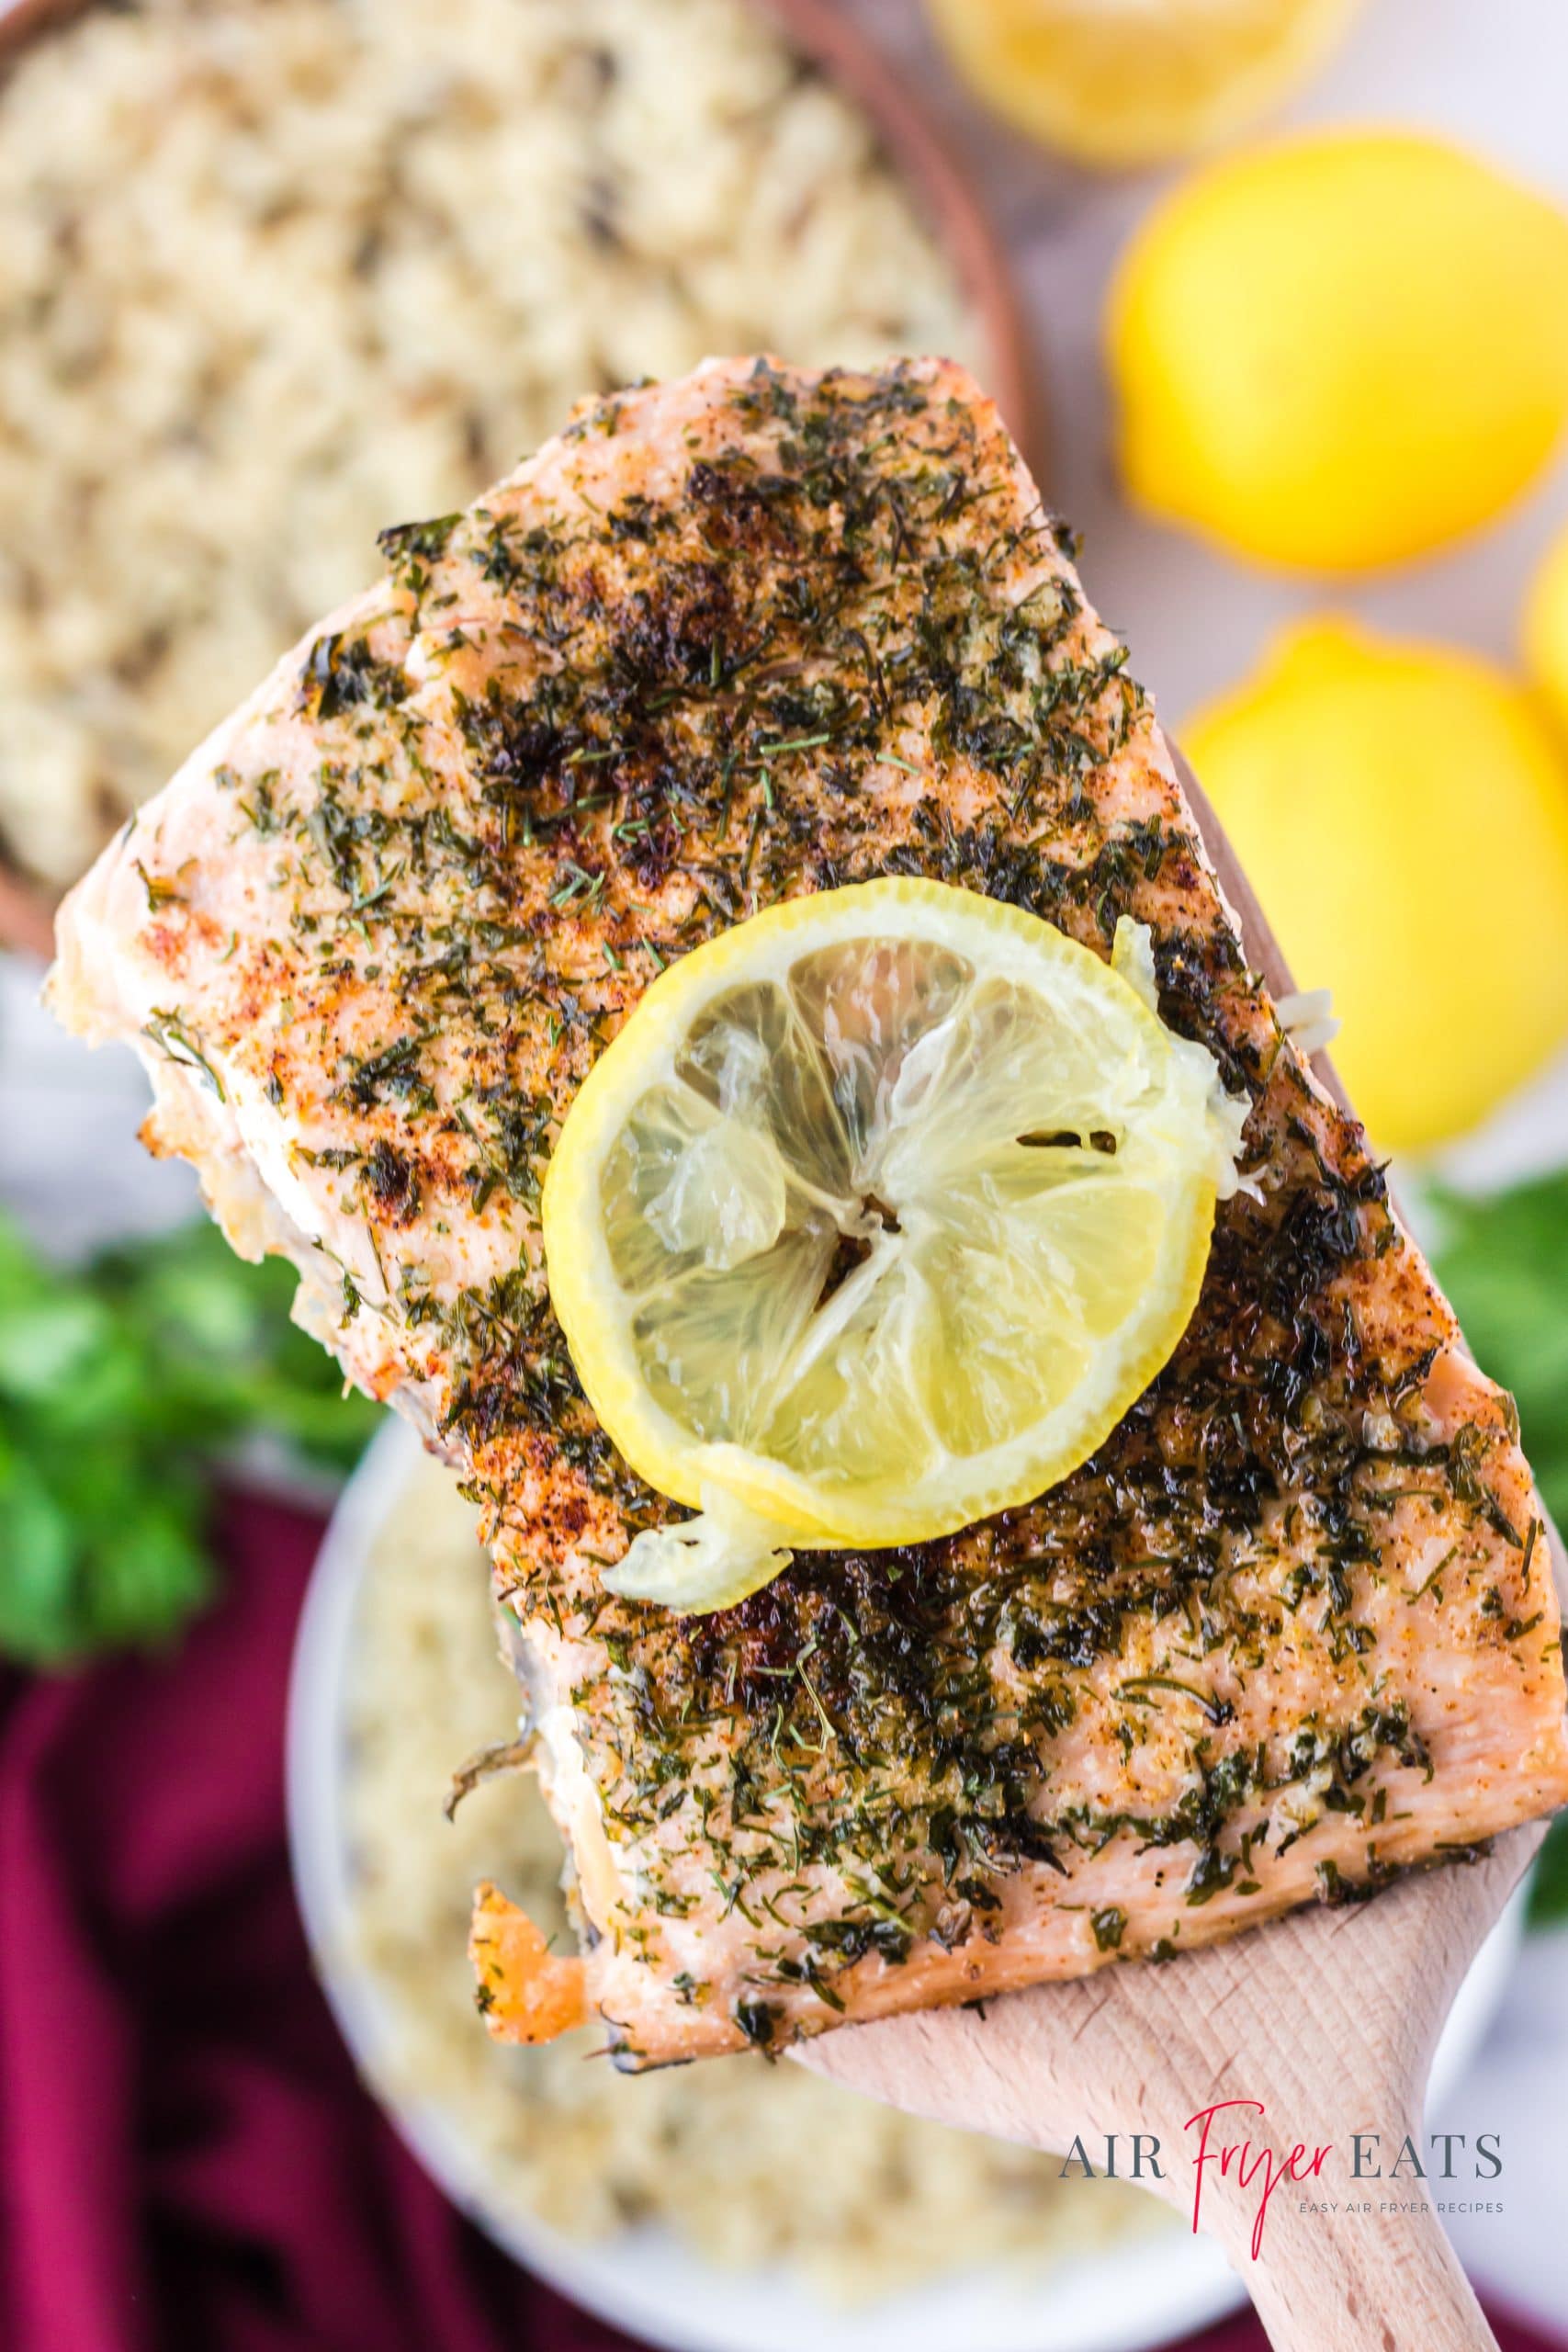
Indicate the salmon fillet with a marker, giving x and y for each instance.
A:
(1291, 1631)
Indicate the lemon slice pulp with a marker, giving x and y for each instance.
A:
(874, 1219)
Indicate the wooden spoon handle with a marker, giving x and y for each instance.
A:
(1369, 2283)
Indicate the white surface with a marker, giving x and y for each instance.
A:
(1518, 2089)
(1126, 2299)
(71, 1167)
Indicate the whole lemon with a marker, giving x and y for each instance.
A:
(1342, 349)
(1402, 812)
(1545, 631)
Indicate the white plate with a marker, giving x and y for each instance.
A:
(1134, 2296)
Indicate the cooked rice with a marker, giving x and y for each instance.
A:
(278, 272)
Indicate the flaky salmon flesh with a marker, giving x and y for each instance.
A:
(1291, 1631)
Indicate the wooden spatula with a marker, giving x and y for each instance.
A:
(1324, 2024)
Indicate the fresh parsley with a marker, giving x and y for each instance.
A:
(121, 1384)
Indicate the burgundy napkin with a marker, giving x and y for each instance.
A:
(187, 2161)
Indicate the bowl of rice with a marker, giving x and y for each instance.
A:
(278, 273)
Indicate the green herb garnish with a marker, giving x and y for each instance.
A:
(1503, 1259)
(120, 1384)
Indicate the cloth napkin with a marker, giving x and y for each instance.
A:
(188, 2163)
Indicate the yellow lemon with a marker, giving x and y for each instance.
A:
(874, 1219)
(1545, 632)
(1402, 813)
(1120, 83)
(1341, 350)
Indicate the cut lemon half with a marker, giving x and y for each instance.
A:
(1123, 83)
(874, 1219)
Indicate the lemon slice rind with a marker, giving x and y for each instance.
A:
(698, 1566)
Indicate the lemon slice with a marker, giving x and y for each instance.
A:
(1117, 84)
(874, 1219)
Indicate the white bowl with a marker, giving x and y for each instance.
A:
(1129, 2297)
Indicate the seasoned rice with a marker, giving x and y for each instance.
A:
(277, 273)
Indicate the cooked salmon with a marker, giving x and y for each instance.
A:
(1291, 1631)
